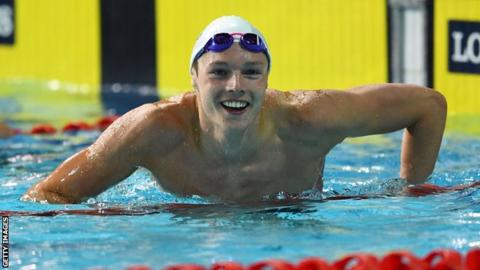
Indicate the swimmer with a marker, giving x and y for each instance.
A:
(235, 140)
(5, 131)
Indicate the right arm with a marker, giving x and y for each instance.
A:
(113, 157)
(85, 174)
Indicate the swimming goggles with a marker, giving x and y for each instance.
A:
(222, 41)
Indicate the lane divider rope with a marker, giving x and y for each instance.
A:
(71, 127)
(440, 259)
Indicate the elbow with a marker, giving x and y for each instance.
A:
(437, 103)
(440, 102)
(433, 111)
(431, 99)
(440, 108)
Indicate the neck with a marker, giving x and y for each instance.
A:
(229, 143)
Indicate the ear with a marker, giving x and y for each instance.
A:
(194, 77)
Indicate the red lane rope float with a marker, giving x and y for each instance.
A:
(359, 261)
(400, 260)
(313, 264)
(444, 260)
(272, 264)
(441, 259)
(104, 122)
(43, 129)
(472, 260)
(227, 266)
(77, 126)
(138, 267)
(47, 129)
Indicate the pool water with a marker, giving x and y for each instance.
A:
(141, 224)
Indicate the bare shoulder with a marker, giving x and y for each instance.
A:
(177, 112)
(299, 99)
(171, 119)
(300, 106)
(306, 117)
(152, 127)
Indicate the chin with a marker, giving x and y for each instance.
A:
(236, 124)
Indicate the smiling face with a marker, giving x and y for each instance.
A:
(230, 86)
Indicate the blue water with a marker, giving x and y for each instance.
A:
(158, 233)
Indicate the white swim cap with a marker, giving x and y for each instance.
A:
(226, 24)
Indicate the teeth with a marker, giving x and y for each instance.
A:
(235, 104)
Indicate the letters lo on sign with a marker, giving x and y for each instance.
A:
(464, 46)
(7, 22)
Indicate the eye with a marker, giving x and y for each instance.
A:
(218, 72)
(252, 72)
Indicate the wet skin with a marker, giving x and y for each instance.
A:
(234, 140)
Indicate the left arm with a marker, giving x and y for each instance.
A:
(382, 108)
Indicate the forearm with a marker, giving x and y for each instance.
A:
(68, 183)
(422, 140)
(80, 177)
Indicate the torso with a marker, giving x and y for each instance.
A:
(279, 165)
(276, 167)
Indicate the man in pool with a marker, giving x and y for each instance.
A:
(235, 140)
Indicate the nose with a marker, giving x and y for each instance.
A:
(234, 83)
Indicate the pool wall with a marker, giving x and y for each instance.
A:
(103, 45)
(117, 54)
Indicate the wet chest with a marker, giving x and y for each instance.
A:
(274, 168)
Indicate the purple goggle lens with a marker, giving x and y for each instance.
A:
(222, 41)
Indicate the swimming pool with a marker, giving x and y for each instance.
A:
(157, 229)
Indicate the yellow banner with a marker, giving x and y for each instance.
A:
(315, 44)
(462, 88)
